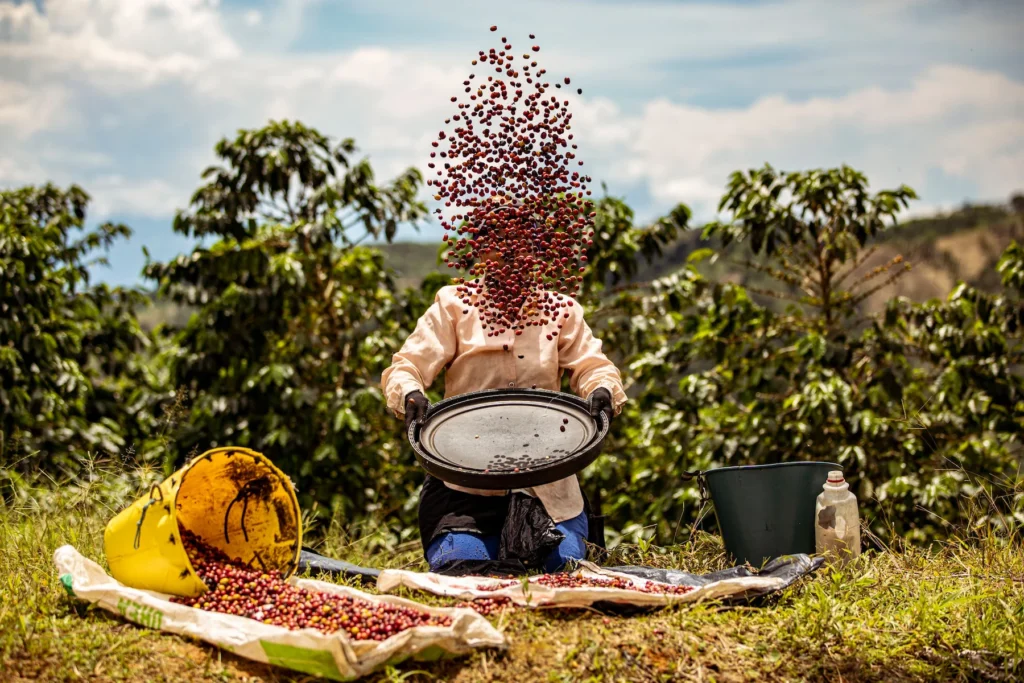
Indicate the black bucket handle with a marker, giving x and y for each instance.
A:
(142, 517)
(705, 498)
(702, 484)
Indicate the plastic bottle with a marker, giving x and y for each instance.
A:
(836, 520)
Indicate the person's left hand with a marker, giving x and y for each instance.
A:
(601, 402)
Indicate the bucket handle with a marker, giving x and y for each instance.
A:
(151, 501)
(701, 484)
(704, 500)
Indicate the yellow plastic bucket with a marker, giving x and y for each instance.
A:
(233, 498)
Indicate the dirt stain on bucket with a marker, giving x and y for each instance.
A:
(285, 518)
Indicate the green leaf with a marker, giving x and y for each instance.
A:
(700, 255)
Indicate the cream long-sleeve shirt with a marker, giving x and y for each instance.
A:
(447, 338)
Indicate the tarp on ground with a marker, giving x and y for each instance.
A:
(729, 585)
(334, 656)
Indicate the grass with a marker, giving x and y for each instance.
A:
(955, 612)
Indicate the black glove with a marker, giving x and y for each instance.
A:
(416, 405)
(601, 402)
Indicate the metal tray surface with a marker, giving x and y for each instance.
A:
(508, 438)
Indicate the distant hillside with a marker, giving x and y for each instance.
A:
(944, 251)
(962, 245)
(412, 261)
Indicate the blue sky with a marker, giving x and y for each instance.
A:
(128, 97)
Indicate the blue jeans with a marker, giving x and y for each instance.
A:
(452, 547)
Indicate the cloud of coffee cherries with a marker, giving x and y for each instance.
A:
(513, 194)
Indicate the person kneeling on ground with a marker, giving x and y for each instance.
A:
(464, 525)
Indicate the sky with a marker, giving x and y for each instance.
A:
(127, 98)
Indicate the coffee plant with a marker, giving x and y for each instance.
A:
(74, 379)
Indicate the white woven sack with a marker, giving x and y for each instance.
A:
(529, 594)
(334, 656)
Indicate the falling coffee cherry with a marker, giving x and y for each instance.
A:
(515, 206)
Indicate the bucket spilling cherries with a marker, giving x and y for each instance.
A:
(212, 553)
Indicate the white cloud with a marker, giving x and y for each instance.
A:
(26, 110)
(965, 122)
(623, 40)
(78, 159)
(131, 95)
(118, 43)
(14, 171)
(137, 197)
(689, 190)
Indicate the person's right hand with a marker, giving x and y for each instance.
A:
(416, 405)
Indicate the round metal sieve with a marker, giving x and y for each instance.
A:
(508, 438)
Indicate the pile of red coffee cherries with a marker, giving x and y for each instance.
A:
(576, 581)
(488, 606)
(520, 212)
(237, 589)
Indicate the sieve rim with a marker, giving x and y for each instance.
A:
(542, 474)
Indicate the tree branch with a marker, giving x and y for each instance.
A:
(888, 281)
(858, 260)
(879, 271)
(784, 297)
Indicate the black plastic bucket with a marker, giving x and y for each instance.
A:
(765, 511)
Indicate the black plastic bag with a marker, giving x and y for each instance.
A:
(529, 534)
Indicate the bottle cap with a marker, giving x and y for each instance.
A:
(835, 477)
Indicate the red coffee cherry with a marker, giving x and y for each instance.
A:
(235, 588)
